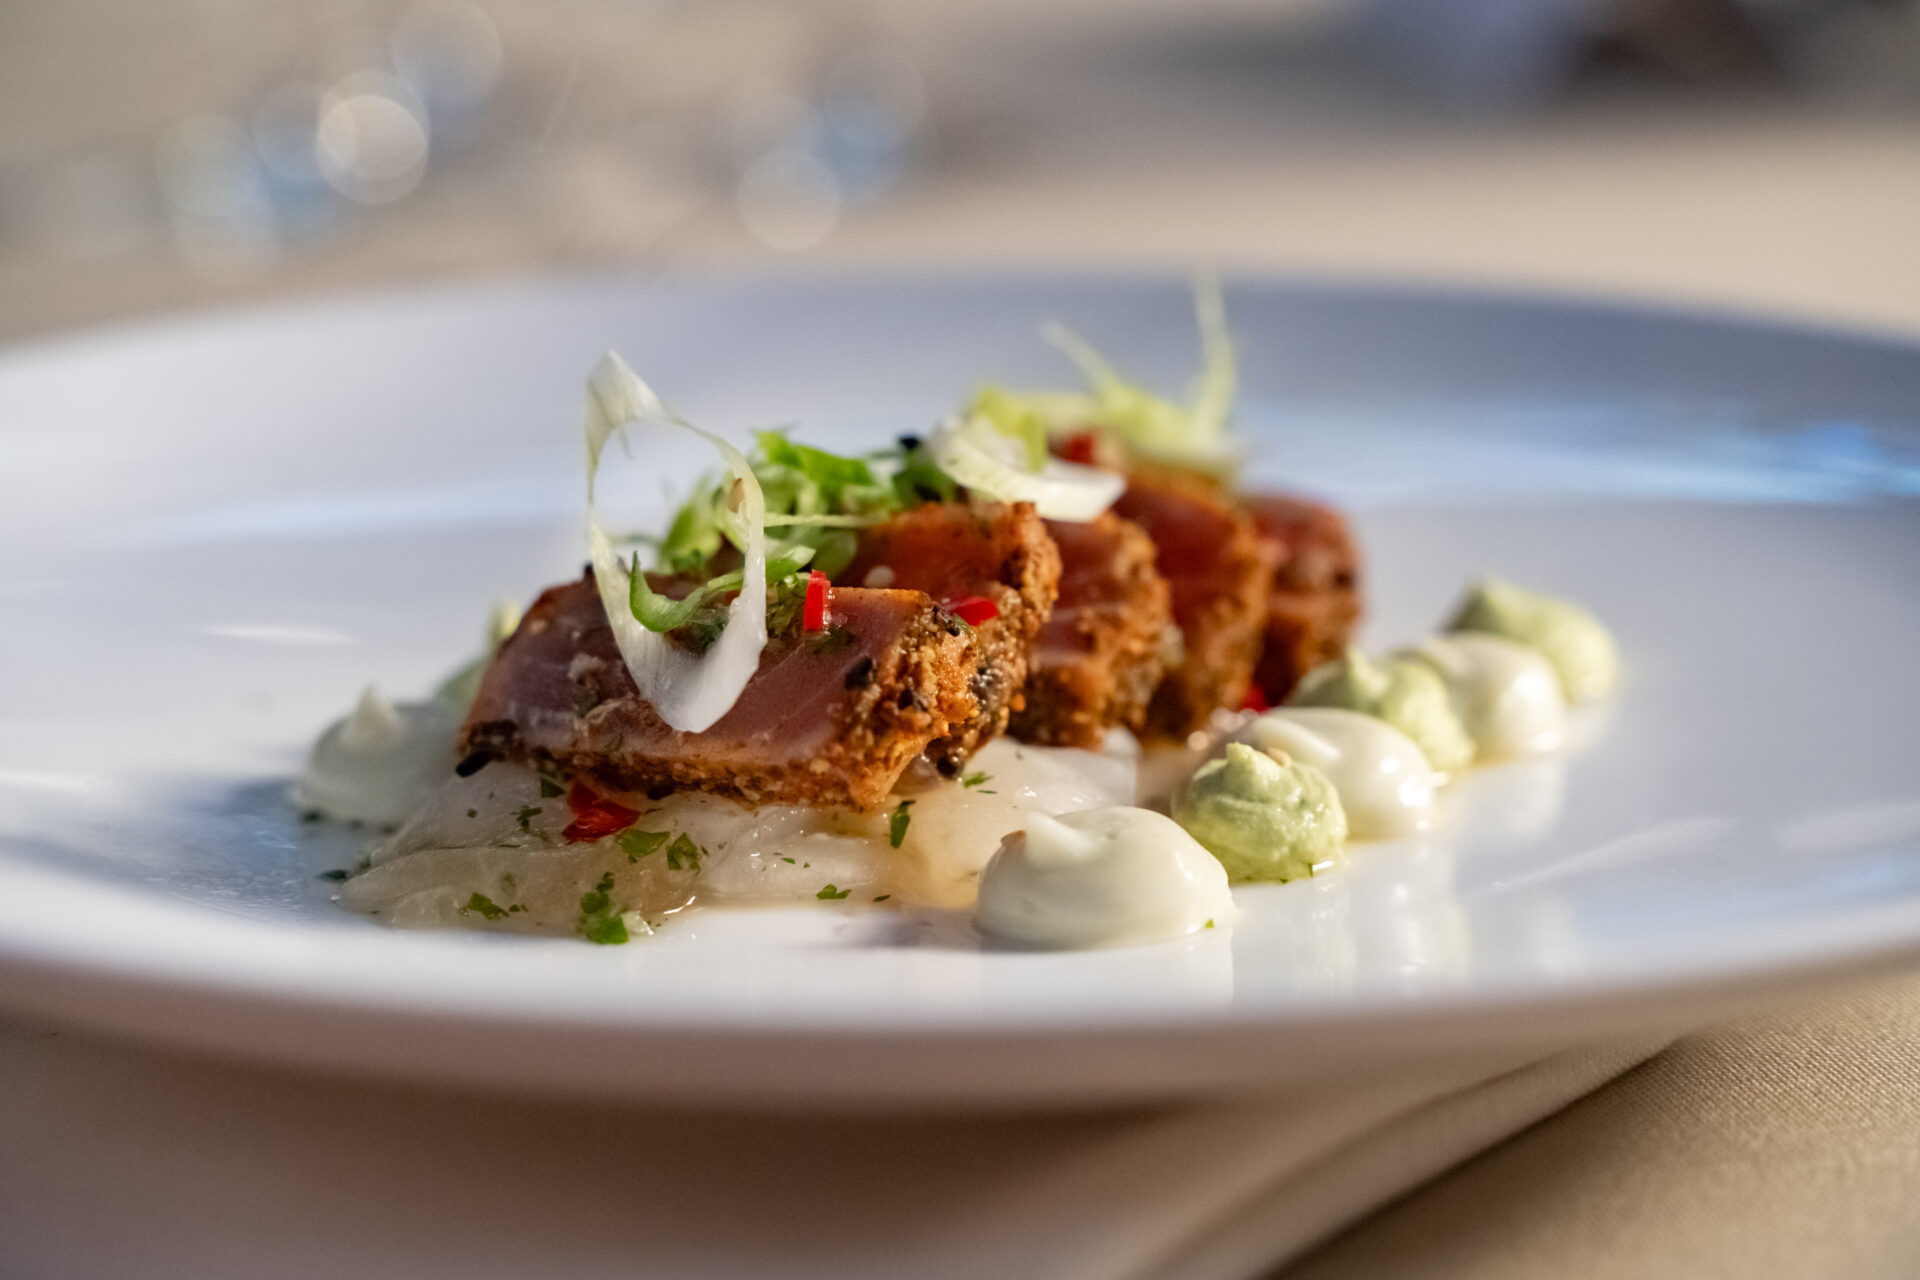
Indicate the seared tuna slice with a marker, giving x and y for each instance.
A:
(1316, 603)
(831, 717)
(1099, 657)
(1220, 571)
(991, 564)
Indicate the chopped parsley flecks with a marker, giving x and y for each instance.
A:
(897, 823)
(600, 920)
(638, 844)
(486, 906)
(784, 858)
(337, 874)
(831, 894)
(975, 779)
(683, 854)
(883, 897)
(525, 816)
(549, 789)
(473, 813)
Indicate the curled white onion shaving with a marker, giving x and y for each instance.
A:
(978, 455)
(690, 691)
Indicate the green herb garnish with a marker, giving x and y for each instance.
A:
(974, 780)
(831, 894)
(549, 788)
(638, 844)
(336, 875)
(683, 854)
(486, 906)
(600, 920)
(525, 816)
(897, 823)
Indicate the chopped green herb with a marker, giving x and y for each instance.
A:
(683, 854)
(485, 906)
(549, 788)
(974, 779)
(600, 920)
(473, 813)
(311, 815)
(785, 858)
(883, 897)
(606, 931)
(830, 894)
(897, 823)
(525, 816)
(638, 844)
(336, 875)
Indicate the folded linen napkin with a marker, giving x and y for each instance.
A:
(136, 1162)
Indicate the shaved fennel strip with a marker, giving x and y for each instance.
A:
(973, 451)
(689, 691)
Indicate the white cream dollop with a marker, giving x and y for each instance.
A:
(1101, 878)
(1507, 695)
(1384, 780)
(381, 763)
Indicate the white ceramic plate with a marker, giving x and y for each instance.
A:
(215, 532)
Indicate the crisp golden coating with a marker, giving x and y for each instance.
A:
(1099, 657)
(955, 553)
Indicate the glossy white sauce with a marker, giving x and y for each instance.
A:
(1386, 785)
(1507, 695)
(1099, 878)
(381, 763)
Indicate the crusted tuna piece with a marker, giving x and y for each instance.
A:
(1099, 657)
(1316, 602)
(957, 552)
(1220, 571)
(831, 717)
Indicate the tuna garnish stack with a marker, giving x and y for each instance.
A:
(820, 629)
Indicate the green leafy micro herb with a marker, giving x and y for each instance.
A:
(883, 897)
(785, 858)
(473, 813)
(525, 816)
(336, 875)
(600, 920)
(486, 906)
(683, 854)
(1013, 418)
(974, 779)
(1209, 924)
(831, 894)
(638, 844)
(897, 823)
(605, 931)
(549, 788)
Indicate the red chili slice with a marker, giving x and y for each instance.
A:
(974, 610)
(813, 617)
(1255, 699)
(594, 815)
(1080, 447)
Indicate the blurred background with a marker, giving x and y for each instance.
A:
(1758, 154)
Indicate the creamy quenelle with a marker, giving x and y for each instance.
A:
(1101, 878)
(381, 763)
(1506, 694)
(1263, 817)
(1582, 652)
(1383, 779)
(1406, 694)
